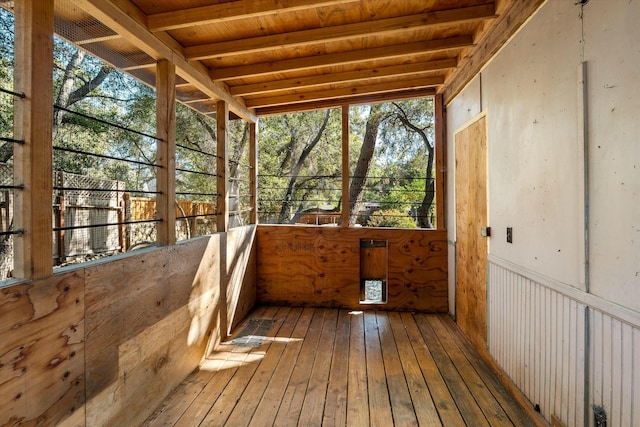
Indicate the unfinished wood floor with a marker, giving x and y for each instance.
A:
(311, 367)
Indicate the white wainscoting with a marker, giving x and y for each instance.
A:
(539, 333)
(614, 374)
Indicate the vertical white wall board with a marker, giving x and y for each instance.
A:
(532, 95)
(461, 110)
(613, 62)
(530, 92)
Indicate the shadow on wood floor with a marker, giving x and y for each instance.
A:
(310, 367)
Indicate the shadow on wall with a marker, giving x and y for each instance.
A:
(88, 340)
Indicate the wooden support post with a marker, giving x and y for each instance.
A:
(222, 117)
(126, 207)
(193, 221)
(6, 217)
(440, 173)
(121, 227)
(166, 158)
(253, 172)
(33, 123)
(345, 166)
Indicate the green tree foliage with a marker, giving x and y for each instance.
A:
(300, 164)
(362, 167)
(390, 156)
(394, 142)
(196, 151)
(6, 76)
(239, 191)
(391, 218)
(412, 123)
(85, 85)
(391, 144)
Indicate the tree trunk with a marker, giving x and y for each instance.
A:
(293, 175)
(67, 96)
(359, 178)
(234, 183)
(429, 185)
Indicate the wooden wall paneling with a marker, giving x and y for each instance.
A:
(148, 319)
(33, 123)
(373, 259)
(471, 215)
(153, 363)
(320, 266)
(307, 266)
(241, 274)
(418, 271)
(206, 296)
(222, 118)
(166, 157)
(42, 352)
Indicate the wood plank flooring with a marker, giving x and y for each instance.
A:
(313, 367)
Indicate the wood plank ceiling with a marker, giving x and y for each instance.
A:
(275, 56)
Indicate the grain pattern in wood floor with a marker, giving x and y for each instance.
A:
(313, 367)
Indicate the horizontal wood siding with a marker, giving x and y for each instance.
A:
(537, 336)
(320, 267)
(105, 343)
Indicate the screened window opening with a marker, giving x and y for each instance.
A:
(196, 174)
(8, 99)
(104, 159)
(239, 174)
(392, 164)
(300, 176)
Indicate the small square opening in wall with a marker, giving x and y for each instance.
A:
(373, 291)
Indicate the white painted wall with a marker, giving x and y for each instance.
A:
(612, 51)
(532, 94)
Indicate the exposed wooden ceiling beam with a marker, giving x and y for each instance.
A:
(124, 24)
(340, 32)
(357, 100)
(350, 76)
(350, 57)
(140, 66)
(231, 11)
(505, 27)
(394, 86)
